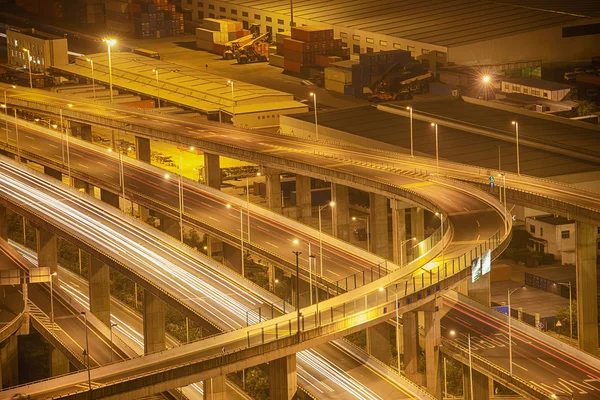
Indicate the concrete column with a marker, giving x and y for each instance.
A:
(417, 223)
(480, 291)
(303, 199)
(378, 219)
(142, 149)
(282, 378)
(3, 223)
(170, 226)
(153, 311)
(209, 245)
(378, 342)
(83, 187)
(99, 288)
(53, 173)
(398, 231)
(481, 389)
(79, 129)
(144, 213)
(273, 189)
(47, 251)
(341, 211)
(59, 363)
(232, 257)
(215, 388)
(9, 362)
(432, 348)
(212, 170)
(109, 198)
(410, 338)
(587, 302)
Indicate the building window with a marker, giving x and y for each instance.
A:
(546, 94)
(506, 86)
(370, 40)
(565, 234)
(383, 43)
(256, 16)
(541, 231)
(222, 9)
(269, 19)
(397, 46)
(189, 2)
(516, 88)
(343, 35)
(369, 49)
(234, 12)
(525, 90)
(200, 4)
(344, 44)
(356, 37)
(223, 16)
(356, 48)
(410, 48)
(211, 15)
(211, 6)
(269, 29)
(244, 13)
(424, 51)
(532, 229)
(280, 21)
(280, 30)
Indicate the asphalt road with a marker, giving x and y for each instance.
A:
(533, 360)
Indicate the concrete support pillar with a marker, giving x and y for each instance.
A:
(417, 223)
(9, 362)
(170, 226)
(232, 257)
(3, 223)
(209, 245)
(398, 231)
(154, 323)
(99, 288)
(481, 390)
(303, 199)
(109, 198)
(47, 251)
(212, 170)
(215, 388)
(432, 348)
(83, 187)
(587, 302)
(144, 213)
(378, 219)
(282, 378)
(378, 342)
(410, 338)
(480, 290)
(142, 149)
(59, 363)
(56, 174)
(273, 190)
(341, 212)
(80, 129)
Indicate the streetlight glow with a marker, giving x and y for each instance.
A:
(167, 176)
(295, 241)
(486, 79)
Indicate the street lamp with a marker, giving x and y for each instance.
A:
(112, 325)
(311, 258)
(366, 220)
(297, 253)
(510, 330)
(230, 83)
(401, 248)
(17, 136)
(411, 131)
(568, 284)
(437, 152)
(486, 80)
(314, 96)
(68, 153)
(441, 216)
(52, 300)
(93, 80)
(468, 335)
(241, 234)
(86, 352)
(516, 124)
(157, 88)
(181, 204)
(248, 203)
(5, 106)
(29, 67)
(330, 204)
(109, 44)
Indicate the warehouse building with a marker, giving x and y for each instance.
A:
(457, 31)
(43, 49)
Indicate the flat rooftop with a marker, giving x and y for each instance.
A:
(553, 220)
(538, 83)
(440, 22)
(466, 147)
(34, 33)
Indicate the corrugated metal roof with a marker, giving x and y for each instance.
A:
(440, 22)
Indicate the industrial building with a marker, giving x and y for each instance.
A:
(457, 31)
(45, 50)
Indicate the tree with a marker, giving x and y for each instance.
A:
(562, 315)
(586, 107)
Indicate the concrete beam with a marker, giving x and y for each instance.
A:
(432, 348)
(59, 363)
(378, 219)
(142, 149)
(215, 388)
(47, 251)
(212, 170)
(3, 223)
(109, 198)
(481, 389)
(99, 288)
(153, 311)
(398, 231)
(273, 189)
(53, 173)
(83, 187)
(587, 290)
(341, 212)
(379, 342)
(282, 378)
(417, 223)
(303, 199)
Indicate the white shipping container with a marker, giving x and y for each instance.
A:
(334, 86)
(281, 36)
(339, 75)
(204, 45)
(207, 35)
(276, 60)
(214, 24)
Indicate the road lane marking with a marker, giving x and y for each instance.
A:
(82, 165)
(546, 362)
(101, 163)
(52, 145)
(566, 385)
(582, 386)
(466, 209)
(523, 368)
(214, 219)
(478, 236)
(272, 244)
(331, 272)
(478, 224)
(464, 321)
(35, 148)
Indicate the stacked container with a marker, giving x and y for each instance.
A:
(305, 43)
(217, 32)
(338, 76)
(373, 65)
(144, 18)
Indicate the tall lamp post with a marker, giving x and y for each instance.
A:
(112, 325)
(93, 80)
(516, 124)
(314, 96)
(510, 368)
(568, 284)
(486, 81)
(330, 204)
(241, 234)
(368, 224)
(157, 87)
(441, 216)
(29, 67)
(181, 204)
(87, 354)
(5, 106)
(230, 83)
(248, 203)
(410, 109)
(297, 253)
(109, 44)
(468, 335)
(402, 247)
(437, 149)
(52, 275)
(17, 136)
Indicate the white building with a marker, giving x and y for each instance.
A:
(539, 88)
(46, 50)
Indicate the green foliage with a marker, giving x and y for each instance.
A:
(586, 107)
(15, 226)
(192, 239)
(359, 339)
(124, 290)
(68, 257)
(257, 382)
(454, 375)
(563, 316)
(175, 326)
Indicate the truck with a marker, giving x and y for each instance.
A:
(232, 47)
(256, 50)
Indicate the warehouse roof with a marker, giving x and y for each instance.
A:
(445, 23)
(181, 85)
(538, 83)
(465, 147)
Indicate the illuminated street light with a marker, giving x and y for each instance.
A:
(510, 362)
(230, 83)
(411, 131)
(29, 67)
(109, 44)
(330, 204)
(486, 81)
(401, 249)
(437, 150)
(516, 124)
(468, 335)
(368, 223)
(93, 80)
(314, 96)
(157, 87)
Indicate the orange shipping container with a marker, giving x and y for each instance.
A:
(301, 58)
(296, 45)
(291, 66)
(311, 33)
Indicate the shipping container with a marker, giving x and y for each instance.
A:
(291, 66)
(296, 45)
(204, 45)
(276, 60)
(280, 36)
(338, 74)
(214, 24)
(334, 86)
(311, 33)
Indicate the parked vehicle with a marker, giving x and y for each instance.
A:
(579, 70)
(570, 76)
